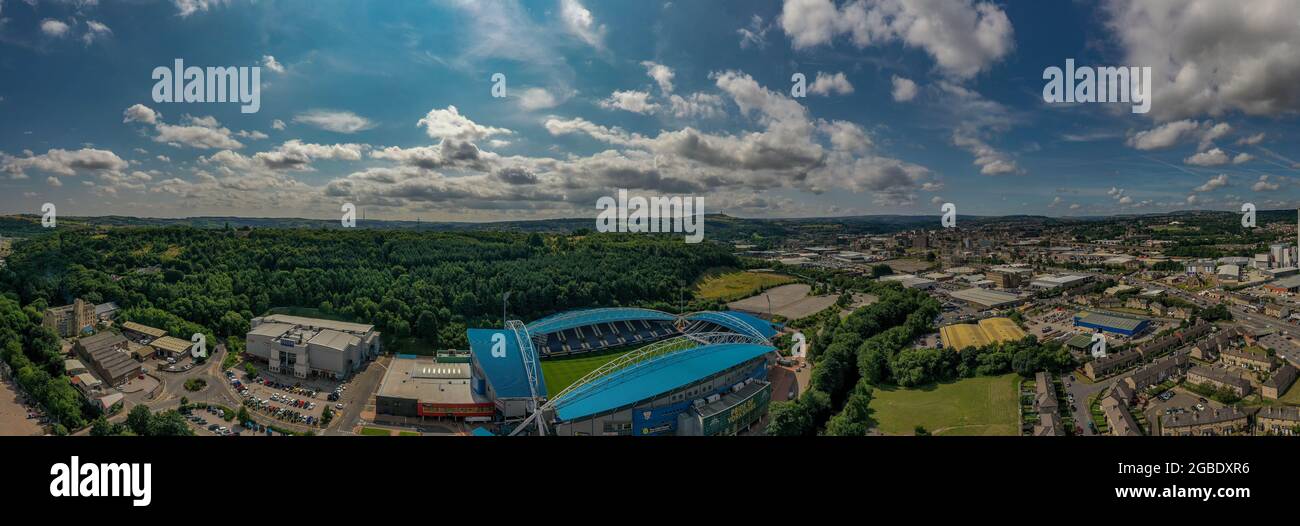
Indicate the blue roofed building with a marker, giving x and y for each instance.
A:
(708, 389)
(1111, 323)
(699, 364)
(497, 371)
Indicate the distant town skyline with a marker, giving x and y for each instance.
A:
(391, 106)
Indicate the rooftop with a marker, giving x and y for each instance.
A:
(1208, 416)
(429, 381)
(332, 339)
(171, 345)
(341, 326)
(581, 318)
(987, 298)
(653, 377)
(144, 329)
(1109, 320)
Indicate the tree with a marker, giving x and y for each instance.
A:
(243, 415)
(788, 419)
(138, 420)
(101, 427)
(168, 423)
(326, 416)
(881, 270)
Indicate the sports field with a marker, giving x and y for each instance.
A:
(562, 372)
(983, 405)
(736, 285)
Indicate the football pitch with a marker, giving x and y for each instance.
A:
(563, 372)
(983, 405)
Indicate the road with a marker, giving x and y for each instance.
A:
(1082, 391)
(359, 394)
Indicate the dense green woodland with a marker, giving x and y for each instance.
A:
(429, 285)
(32, 353)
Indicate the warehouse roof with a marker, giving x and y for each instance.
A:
(987, 298)
(341, 326)
(144, 329)
(334, 339)
(170, 344)
(1289, 282)
(1109, 321)
(429, 381)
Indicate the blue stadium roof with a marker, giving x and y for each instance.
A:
(650, 378)
(581, 318)
(730, 318)
(505, 373)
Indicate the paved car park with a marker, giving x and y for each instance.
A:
(1179, 400)
(209, 422)
(17, 417)
(296, 402)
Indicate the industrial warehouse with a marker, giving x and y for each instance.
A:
(1111, 323)
(107, 354)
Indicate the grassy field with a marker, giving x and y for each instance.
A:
(737, 285)
(562, 372)
(984, 405)
(375, 432)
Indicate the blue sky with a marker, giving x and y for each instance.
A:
(388, 104)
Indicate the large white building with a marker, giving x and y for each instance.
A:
(311, 347)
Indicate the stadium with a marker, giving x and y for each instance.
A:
(642, 372)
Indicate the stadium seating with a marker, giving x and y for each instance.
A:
(605, 335)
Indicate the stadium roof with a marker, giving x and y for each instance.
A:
(987, 298)
(506, 374)
(581, 318)
(652, 377)
(733, 319)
